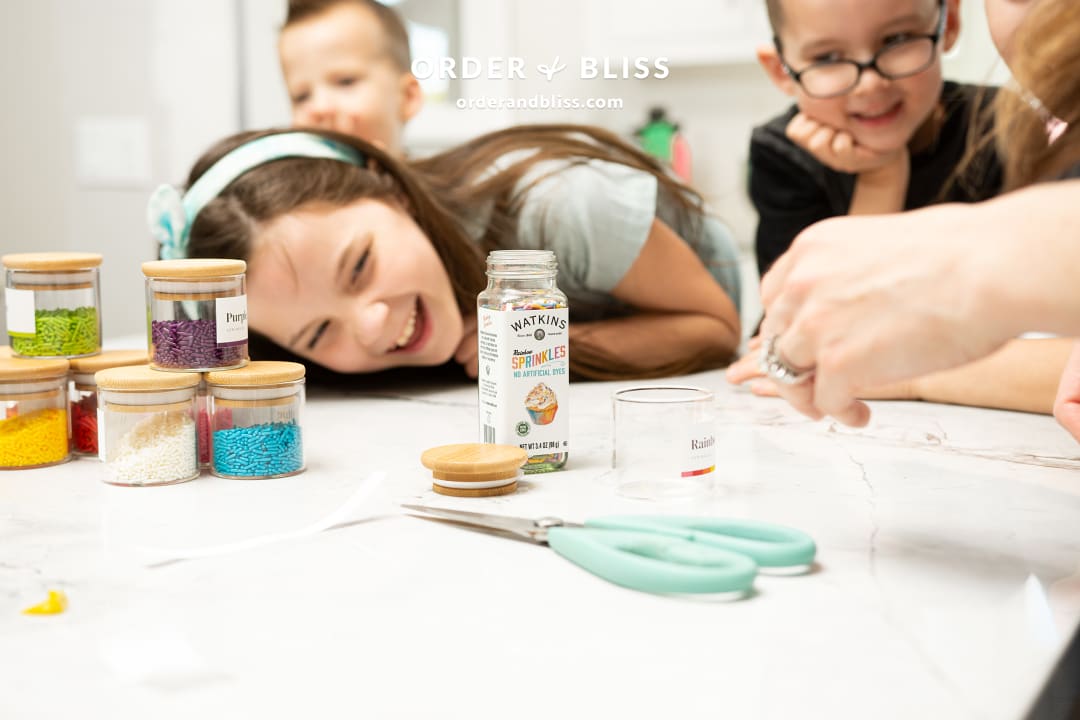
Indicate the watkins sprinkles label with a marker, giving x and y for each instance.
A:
(525, 379)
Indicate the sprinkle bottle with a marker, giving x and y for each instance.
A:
(33, 413)
(53, 303)
(82, 394)
(197, 314)
(523, 331)
(256, 431)
(146, 426)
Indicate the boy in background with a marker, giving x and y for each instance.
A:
(874, 128)
(347, 67)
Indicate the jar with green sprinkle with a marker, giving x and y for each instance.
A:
(53, 304)
(255, 420)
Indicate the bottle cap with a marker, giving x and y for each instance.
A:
(474, 469)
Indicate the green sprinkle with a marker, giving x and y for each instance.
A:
(60, 333)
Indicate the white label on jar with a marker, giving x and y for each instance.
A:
(20, 312)
(699, 450)
(103, 447)
(231, 320)
(525, 378)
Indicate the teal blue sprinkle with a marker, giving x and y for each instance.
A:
(258, 450)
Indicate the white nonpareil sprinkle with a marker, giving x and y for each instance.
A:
(159, 449)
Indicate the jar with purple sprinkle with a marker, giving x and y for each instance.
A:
(197, 314)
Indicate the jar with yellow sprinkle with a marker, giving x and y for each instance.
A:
(33, 413)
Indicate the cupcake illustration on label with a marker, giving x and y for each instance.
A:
(523, 331)
(541, 404)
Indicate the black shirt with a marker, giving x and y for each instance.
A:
(792, 190)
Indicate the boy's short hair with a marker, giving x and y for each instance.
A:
(775, 12)
(396, 35)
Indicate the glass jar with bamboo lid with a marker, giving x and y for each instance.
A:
(53, 302)
(255, 420)
(82, 394)
(198, 314)
(147, 425)
(33, 413)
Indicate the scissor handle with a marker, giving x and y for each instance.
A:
(654, 563)
(771, 546)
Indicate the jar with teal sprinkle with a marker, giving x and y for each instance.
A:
(53, 304)
(255, 420)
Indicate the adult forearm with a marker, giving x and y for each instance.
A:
(1028, 273)
(1023, 375)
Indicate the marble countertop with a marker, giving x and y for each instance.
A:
(948, 583)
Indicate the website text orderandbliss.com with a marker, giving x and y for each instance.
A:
(539, 101)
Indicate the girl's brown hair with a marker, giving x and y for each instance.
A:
(442, 194)
(1046, 65)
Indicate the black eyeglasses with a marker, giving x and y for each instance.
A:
(903, 58)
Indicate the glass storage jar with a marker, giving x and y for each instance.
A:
(255, 420)
(146, 426)
(82, 394)
(523, 336)
(53, 302)
(198, 314)
(34, 418)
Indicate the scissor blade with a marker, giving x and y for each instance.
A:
(523, 528)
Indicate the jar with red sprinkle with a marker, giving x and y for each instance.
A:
(82, 395)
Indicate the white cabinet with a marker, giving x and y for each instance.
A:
(687, 32)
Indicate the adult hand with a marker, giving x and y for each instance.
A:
(838, 149)
(468, 349)
(748, 369)
(1067, 402)
(865, 301)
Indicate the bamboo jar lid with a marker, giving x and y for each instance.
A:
(474, 469)
(193, 268)
(142, 377)
(106, 360)
(45, 261)
(258, 372)
(19, 369)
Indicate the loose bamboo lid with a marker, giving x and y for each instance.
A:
(193, 268)
(258, 372)
(20, 369)
(51, 261)
(108, 359)
(142, 377)
(474, 469)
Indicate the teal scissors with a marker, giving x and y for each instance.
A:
(656, 553)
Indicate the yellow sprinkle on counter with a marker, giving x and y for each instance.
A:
(55, 604)
(37, 438)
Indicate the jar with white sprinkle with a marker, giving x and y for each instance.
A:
(255, 424)
(146, 426)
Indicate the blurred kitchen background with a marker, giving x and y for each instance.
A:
(109, 98)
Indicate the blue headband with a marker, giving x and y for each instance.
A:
(171, 214)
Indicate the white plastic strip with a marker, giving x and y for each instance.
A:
(161, 556)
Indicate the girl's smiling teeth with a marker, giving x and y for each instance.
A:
(408, 330)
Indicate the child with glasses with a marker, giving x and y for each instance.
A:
(874, 128)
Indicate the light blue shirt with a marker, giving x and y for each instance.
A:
(596, 215)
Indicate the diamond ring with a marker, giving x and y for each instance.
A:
(776, 367)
